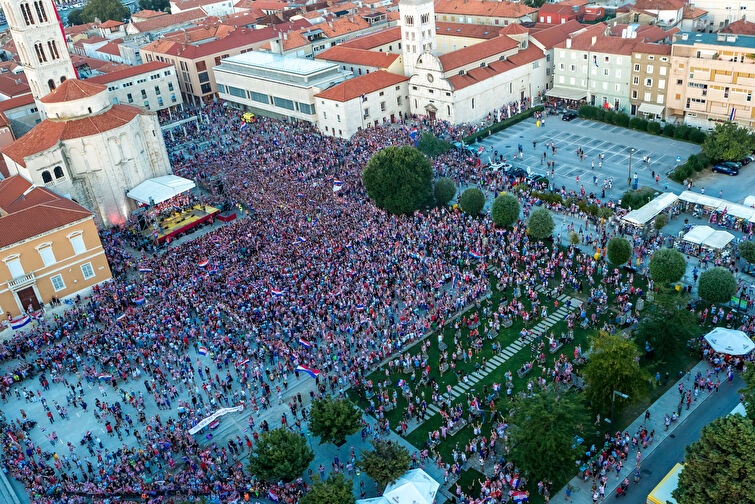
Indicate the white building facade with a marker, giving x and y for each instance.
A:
(417, 31)
(152, 85)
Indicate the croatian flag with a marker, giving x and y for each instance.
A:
(19, 322)
(304, 343)
(121, 317)
(314, 373)
(413, 133)
(514, 482)
(520, 497)
(301, 195)
(337, 181)
(276, 292)
(243, 363)
(476, 404)
(203, 264)
(202, 350)
(474, 254)
(139, 300)
(301, 239)
(145, 270)
(481, 149)
(105, 377)
(273, 494)
(244, 125)
(215, 423)
(360, 307)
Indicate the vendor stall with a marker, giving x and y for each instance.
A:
(643, 215)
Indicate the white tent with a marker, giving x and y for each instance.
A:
(719, 239)
(698, 234)
(730, 341)
(651, 209)
(738, 211)
(708, 237)
(749, 201)
(700, 199)
(414, 487)
(159, 189)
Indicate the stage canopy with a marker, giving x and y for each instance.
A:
(567, 93)
(159, 189)
(414, 487)
(730, 341)
(708, 237)
(651, 209)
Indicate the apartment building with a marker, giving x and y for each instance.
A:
(724, 12)
(712, 79)
(152, 85)
(483, 12)
(651, 64)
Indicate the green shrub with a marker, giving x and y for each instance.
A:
(635, 123)
(681, 132)
(668, 130)
(654, 128)
(587, 112)
(681, 172)
(638, 198)
(600, 114)
(472, 201)
(693, 163)
(696, 135)
(622, 120)
(445, 190)
(432, 146)
(609, 117)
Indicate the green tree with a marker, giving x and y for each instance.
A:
(660, 221)
(74, 17)
(574, 238)
(334, 419)
(618, 250)
(540, 224)
(716, 285)
(505, 210)
(720, 466)
(472, 201)
(666, 326)
(445, 190)
(398, 179)
(667, 266)
(547, 423)
(385, 463)
(156, 5)
(728, 142)
(613, 365)
(432, 146)
(748, 392)
(103, 10)
(334, 490)
(747, 251)
(280, 454)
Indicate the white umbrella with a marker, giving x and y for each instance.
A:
(730, 341)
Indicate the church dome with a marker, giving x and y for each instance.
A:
(75, 98)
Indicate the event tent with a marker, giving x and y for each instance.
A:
(414, 487)
(730, 341)
(651, 209)
(159, 189)
(706, 236)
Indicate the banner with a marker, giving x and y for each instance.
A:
(219, 413)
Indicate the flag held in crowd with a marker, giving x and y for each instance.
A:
(243, 363)
(520, 497)
(311, 372)
(304, 343)
(203, 264)
(145, 270)
(273, 494)
(276, 292)
(140, 300)
(20, 321)
(202, 350)
(121, 317)
(105, 377)
(474, 254)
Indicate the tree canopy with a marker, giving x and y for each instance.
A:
(472, 201)
(613, 365)
(334, 490)
(666, 326)
(666, 266)
(720, 466)
(280, 454)
(747, 251)
(385, 463)
(660, 221)
(505, 210)
(334, 419)
(748, 392)
(445, 190)
(547, 423)
(716, 285)
(728, 142)
(432, 146)
(100, 9)
(156, 5)
(398, 179)
(540, 224)
(618, 250)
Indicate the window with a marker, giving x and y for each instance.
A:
(46, 177)
(398, 100)
(77, 242)
(87, 270)
(635, 80)
(157, 90)
(647, 97)
(306, 108)
(637, 67)
(170, 86)
(40, 52)
(206, 88)
(662, 70)
(14, 266)
(659, 100)
(45, 252)
(382, 106)
(57, 283)
(258, 97)
(634, 93)
(283, 103)
(649, 69)
(366, 112)
(41, 14)
(173, 98)
(201, 66)
(678, 82)
(144, 93)
(53, 49)
(472, 103)
(661, 83)
(234, 91)
(648, 82)
(409, 20)
(26, 11)
(160, 101)
(204, 77)
(130, 98)
(58, 171)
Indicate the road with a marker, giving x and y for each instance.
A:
(660, 462)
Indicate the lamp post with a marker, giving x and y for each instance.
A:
(613, 398)
(629, 173)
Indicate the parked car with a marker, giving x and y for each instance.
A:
(495, 166)
(569, 115)
(536, 178)
(726, 168)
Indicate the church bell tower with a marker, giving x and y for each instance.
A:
(417, 31)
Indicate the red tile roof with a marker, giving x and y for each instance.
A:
(237, 39)
(467, 30)
(12, 85)
(658, 5)
(513, 29)
(78, 29)
(49, 132)
(18, 101)
(111, 47)
(477, 52)
(741, 27)
(690, 12)
(555, 34)
(354, 56)
(28, 214)
(111, 24)
(129, 72)
(483, 8)
(147, 13)
(73, 89)
(376, 39)
(157, 22)
(659, 49)
(532, 53)
(362, 85)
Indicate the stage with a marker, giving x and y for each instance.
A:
(179, 223)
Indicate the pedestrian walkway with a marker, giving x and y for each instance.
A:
(665, 405)
(500, 359)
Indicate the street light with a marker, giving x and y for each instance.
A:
(629, 173)
(613, 398)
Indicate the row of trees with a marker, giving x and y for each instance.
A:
(111, 10)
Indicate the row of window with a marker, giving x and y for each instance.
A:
(52, 49)
(13, 262)
(39, 9)
(57, 281)
(285, 103)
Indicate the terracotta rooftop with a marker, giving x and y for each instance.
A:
(555, 34)
(111, 47)
(29, 211)
(376, 39)
(354, 56)
(467, 30)
(78, 29)
(129, 72)
(659, 5)
(73, 89)
(17, 102)
(658, 49)
(198, 33)
(157, 22)
(267, 5)
(741, 27)
(576, 3)
(513, 29)
(477, 52)
(483, 8)
(111, 24)
(147, 13)
(362, 85)
(12, 85)
(690, 12)
(239, 38)
(49, 132)
(532, 53)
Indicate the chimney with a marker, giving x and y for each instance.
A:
(568, 43)
(594, 39)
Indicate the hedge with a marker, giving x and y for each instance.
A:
(694, 163)
(495, 128)
(681, 132)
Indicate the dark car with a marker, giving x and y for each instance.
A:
(569, 115)
(727, 168)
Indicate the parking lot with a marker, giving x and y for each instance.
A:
(597, 138)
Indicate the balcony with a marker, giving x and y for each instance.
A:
(21, 281)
